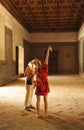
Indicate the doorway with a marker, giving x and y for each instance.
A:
(19, 60)
(53, 62)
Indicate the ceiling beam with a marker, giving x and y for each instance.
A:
(25, 23)
(34, 18)
(69, 18)
(45, 13)
(81, 19)
(57, 12)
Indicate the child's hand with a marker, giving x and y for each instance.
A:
(50, 48)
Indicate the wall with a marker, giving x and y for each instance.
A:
(81, 50)
(67, 56)
(54, 37)
(81, 32)
(18, 34)
(67, 64)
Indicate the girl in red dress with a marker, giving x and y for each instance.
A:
(42, 87)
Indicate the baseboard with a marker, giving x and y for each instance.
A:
(7, 80)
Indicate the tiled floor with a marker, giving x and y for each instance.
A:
(66, 106)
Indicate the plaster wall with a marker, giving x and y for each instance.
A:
(81, 50)
(54, 37)
(8, 67)
(18, 32)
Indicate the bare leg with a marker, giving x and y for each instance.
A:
(31, 95)
(45, 106)
(27, 95)
(38, 105)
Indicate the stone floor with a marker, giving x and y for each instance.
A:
(66, 106)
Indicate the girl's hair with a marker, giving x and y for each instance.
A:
(36, 62)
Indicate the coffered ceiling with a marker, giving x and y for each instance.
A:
(47, 15)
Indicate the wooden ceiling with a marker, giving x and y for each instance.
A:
(47, 15)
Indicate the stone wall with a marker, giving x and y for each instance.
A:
(81, 50)
(8, 50)
(54, 37)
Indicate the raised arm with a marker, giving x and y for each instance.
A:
(47, 54)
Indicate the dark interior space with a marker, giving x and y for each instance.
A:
(63, 59)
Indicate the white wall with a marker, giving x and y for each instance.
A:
(81, 50)
(6, 19)
(54, 37)
(8, 73)
(81, 32)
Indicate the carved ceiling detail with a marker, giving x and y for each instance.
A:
(47, 15)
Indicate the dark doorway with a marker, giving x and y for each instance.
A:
(53, 62)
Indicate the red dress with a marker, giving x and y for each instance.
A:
(42, 87)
